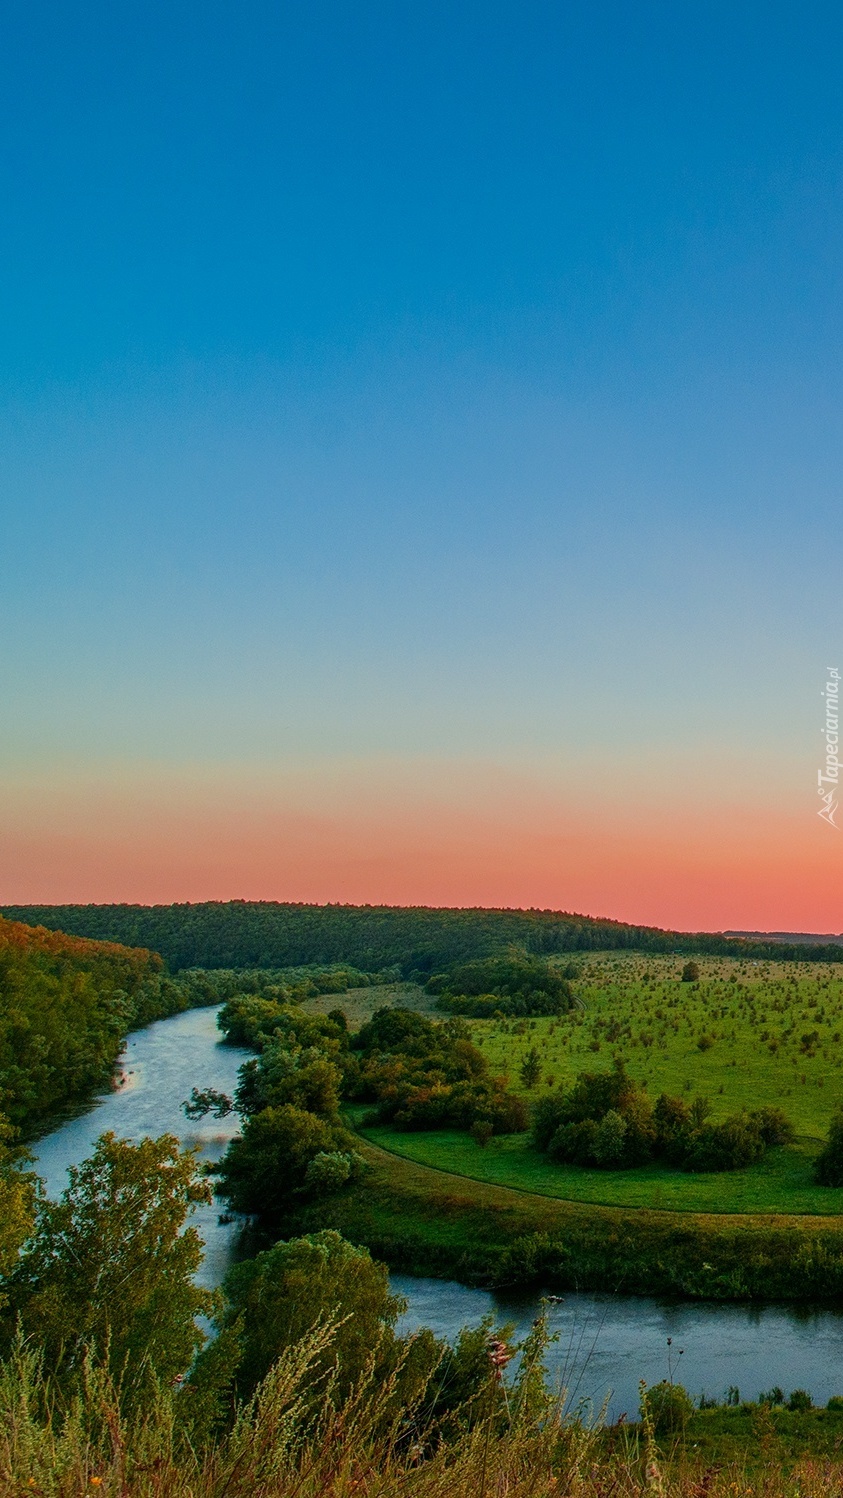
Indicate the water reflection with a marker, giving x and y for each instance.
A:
(605, 1344)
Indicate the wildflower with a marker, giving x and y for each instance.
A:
(499, 1355)
(96, 1482)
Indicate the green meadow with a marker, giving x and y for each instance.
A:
(746, 1034)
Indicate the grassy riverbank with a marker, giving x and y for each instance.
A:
(426, 1221)
(780, 1183)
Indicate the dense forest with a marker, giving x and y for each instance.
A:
(65, 1006)
(418, 940)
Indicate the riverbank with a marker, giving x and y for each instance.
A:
(425, 1221)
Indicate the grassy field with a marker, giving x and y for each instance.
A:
(745, 1035)
(782, 1182)
(359, 1004)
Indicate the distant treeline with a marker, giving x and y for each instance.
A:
(418, 940)
(65, 1006)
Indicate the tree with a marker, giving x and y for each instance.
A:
(110, 1266)
(17, 1201)
(691, 972)
(828, 1166)
(305, 1078)
(609, 1145)
(282, 1294)
(208, 1101)
(531, 1068)
(265, 1169)
(668, 1406)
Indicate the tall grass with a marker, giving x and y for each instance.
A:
(294, 1440)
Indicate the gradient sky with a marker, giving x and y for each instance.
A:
(420, 454)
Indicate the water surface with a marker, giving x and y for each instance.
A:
(606, 1343)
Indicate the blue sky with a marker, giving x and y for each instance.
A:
(458, 382)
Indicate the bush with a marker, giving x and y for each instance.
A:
(828, 1166)
(329, 1171)
(691, 972)
(731, 1145)
(800, 1401)
(668, 1407)
(517, 985)
(607, 1120)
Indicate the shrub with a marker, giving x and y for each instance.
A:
(516, 984)
(730, 1145)
(773, 1126)
(800, 1401)
(609, 1143)
(691, 973)
(828, 1166)
(668, 1407)
(329, 1170)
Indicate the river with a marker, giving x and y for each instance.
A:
(605, 1344)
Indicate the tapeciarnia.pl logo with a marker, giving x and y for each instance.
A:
(828, 780)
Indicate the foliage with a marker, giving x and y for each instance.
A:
(110, 1266)
(607, 1119)
(828, 1166)
(668, 1407)
(424, 1075)
(514, 984)
(267, 1168)
(308, 1079)
(278, 1297)
(65, 1005)
(252, 1020)
(17, 1202)
(420, 939)
(531, 1069)
(207, 1100)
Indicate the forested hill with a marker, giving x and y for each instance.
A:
(418, 939)
(65, 1005)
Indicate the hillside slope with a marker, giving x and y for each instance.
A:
(65, 1005)
(420, 939)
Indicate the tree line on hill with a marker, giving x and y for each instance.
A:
(420, 940)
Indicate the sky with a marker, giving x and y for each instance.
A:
(420, 454)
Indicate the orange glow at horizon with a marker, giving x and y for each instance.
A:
(470, 835)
